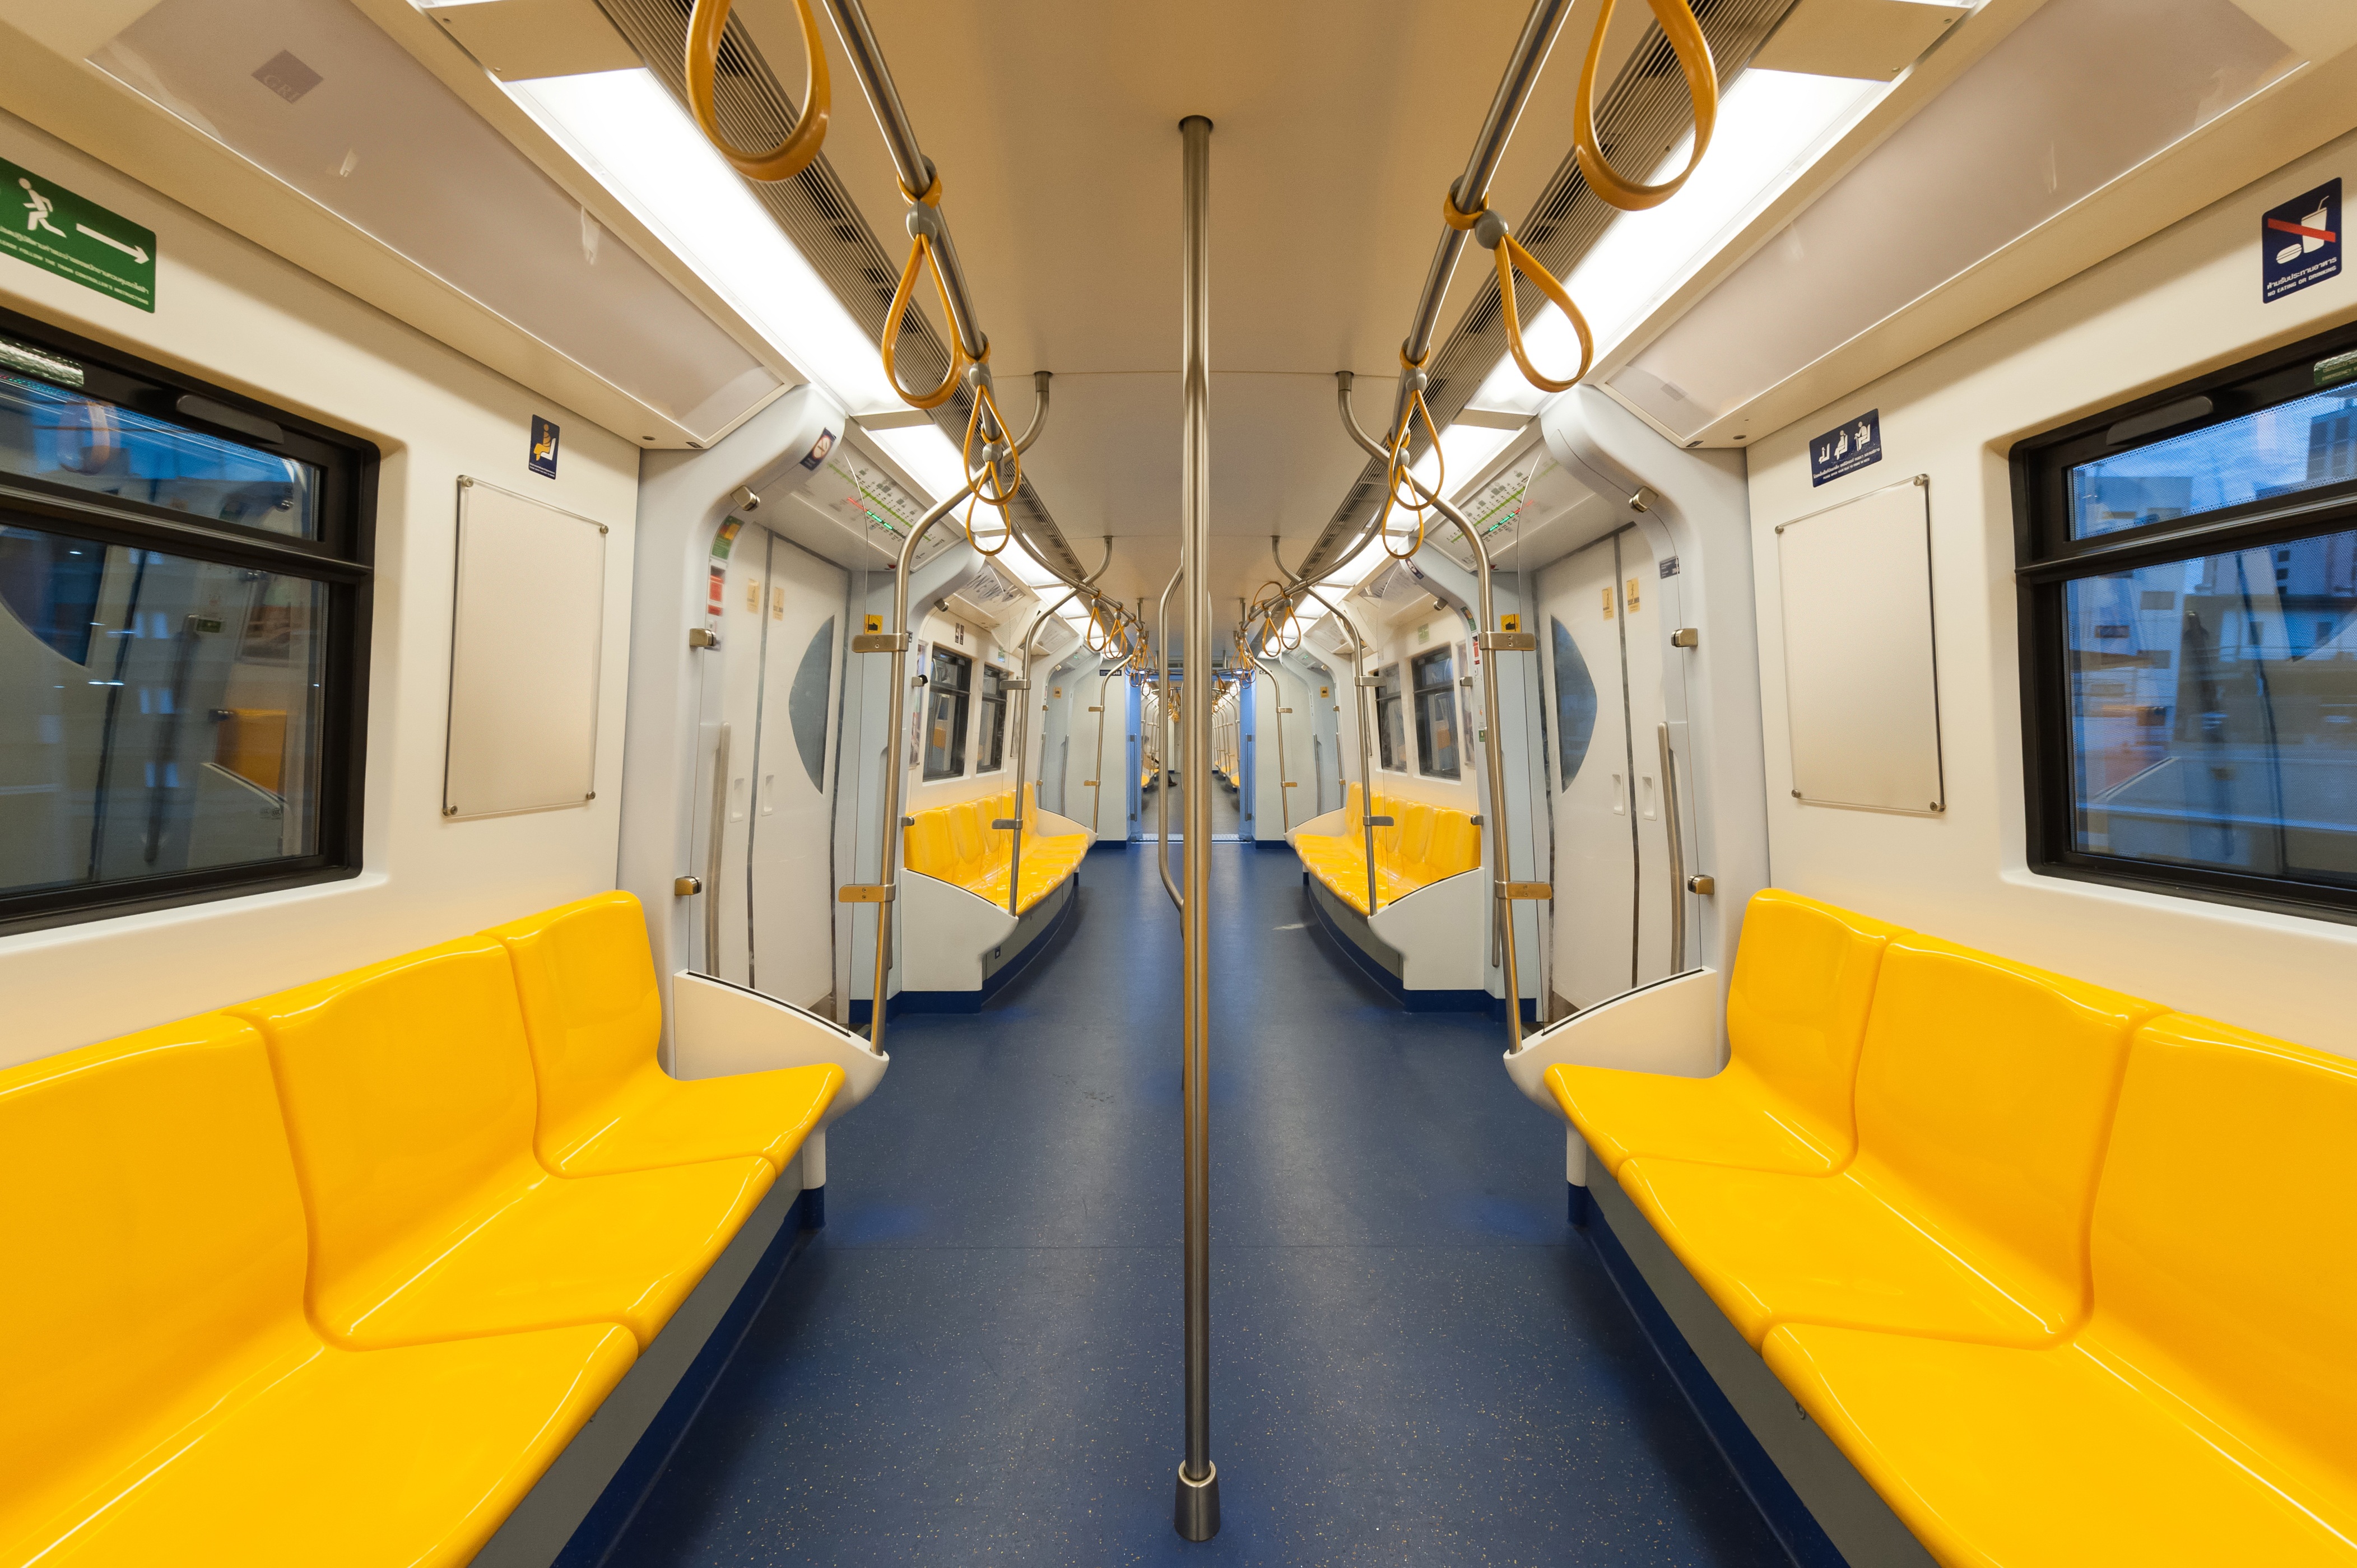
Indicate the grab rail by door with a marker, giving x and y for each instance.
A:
(716, 853)
(1677, 857)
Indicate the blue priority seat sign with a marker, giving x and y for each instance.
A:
(2299, 242)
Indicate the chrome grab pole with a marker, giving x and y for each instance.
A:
(1162, 743)
(1677, 857)
(1471, 191)
(1104, 689)
(1021, 686)
(1195, 1512)
(716, 853)
(884, 890)
(1494, 755)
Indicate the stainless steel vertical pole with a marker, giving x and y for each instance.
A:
(1196, 1513)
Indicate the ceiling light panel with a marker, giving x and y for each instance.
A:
(2078, 95)
(312, 93)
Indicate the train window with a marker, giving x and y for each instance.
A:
(1391, 727)
(1435, 712)
(2189, 582)
(947, 693)
(184, 595)
(990, 746)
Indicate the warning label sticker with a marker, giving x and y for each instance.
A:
(2299, 242)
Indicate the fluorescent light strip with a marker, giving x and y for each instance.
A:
(626, 129)
(1772, 126)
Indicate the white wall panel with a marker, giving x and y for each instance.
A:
(234, 314)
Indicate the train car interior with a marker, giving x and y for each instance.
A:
(1602, 810)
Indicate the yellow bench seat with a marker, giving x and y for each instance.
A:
(593, 1013)
(411, 1104)
(1424, 845)
(1796, 1010)
(168, 1400)
(2202, 1416)
(1983, 1092)
(957, 845)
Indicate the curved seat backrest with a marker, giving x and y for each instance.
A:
(1986, 1089)
(1414, 842)
(967, 841)
(926, 847)
(2225, 1234)
(408, 1091)
(1797, 1005)
(154, 1236)
(592, 1009)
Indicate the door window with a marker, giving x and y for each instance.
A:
(947, 694)
(1435, 712)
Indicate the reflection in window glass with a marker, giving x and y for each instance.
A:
(2213, 710)
(991, 746)
(1390, 725)
(1435, 712)
(157, 713)
(946, 695)
(1575, 707)
(68, 438)
(2276, 451)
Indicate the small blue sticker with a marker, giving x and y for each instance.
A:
(1848, 449)
(2299, 242)
(544, 447)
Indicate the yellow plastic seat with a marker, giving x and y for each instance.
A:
(958, 845)
(593, 1013)
(925, 846)
(410, 1098)
(1424, 845)
(1985, 1093)
(166, 1400)
(1796, 1012)
(2203, 1415)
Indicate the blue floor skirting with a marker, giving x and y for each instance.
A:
(1409, 1001)
(904, 1002)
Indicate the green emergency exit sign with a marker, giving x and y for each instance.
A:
(43, 222)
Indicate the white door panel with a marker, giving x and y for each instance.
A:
(1589, 770)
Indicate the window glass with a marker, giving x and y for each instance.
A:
(1391, 727)
(70, 438)
(992, 743)
(946, 696)
(1435, 712)
(2213, 710)
(1575, 707)
(2293, 446)
(158, 714)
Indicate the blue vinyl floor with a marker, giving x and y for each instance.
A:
(1415, 1360)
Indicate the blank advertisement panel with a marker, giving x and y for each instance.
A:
(1861, 682)
(525, 641)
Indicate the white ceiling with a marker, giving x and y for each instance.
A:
(1054, 128)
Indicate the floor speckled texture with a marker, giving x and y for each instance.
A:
(1415, 1360)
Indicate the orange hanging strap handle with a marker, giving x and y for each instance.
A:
(992, 487)
(920, 255)
(1490, 231)
(1687, 41)
(706, 24)
(1396, 470)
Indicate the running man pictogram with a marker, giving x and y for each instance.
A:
(37, 212)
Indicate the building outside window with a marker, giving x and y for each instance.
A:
(2189, 584)
(1435, 712)
(947, 693)
(184, 598)
(992, 743)
(1391, 727)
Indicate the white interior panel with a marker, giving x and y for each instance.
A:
(524, 647)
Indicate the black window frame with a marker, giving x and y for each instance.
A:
(2048, 560)
(990, 740)
(1389, 716)
(340, 558)
(962, 691)
(1425, 693)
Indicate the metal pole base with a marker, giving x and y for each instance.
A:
(1196, 1514)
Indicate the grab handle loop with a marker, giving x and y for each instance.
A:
(922, 221)
(706, 24)
(1396, 469)
(990, 486)
(1686, 37)
(1490, 231)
